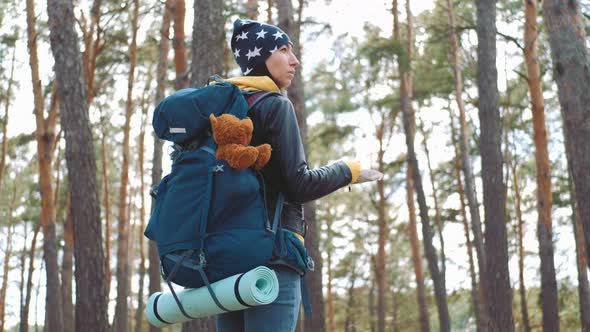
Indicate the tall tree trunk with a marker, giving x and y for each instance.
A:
(413, 233)
(179, 45)
(291, 26)
(252, 9)
(437, 216)
(350, 312)
(23, 263)
(409, 121)
(329, 248)
(45, 135)
(497, 283)
(7, 254)
(416, 256)
(107, 205)
(475, 294)
(383, 227)
(208, 41)
(67, 270)
(583, 288)
(154, 267)
(467, 168)
(91, 297)
(121, 321)
(544, 200)
(269, 11)
(142, 212)
(372, 308)
(5, 120)
(520, 221)
(567, 38)
(24, 310)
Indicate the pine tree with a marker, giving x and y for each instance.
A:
(91, 297)
(497, 282)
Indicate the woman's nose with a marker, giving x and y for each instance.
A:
(294, 61)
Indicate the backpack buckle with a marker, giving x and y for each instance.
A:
(310, 263)
(202, 259)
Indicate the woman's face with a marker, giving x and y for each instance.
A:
(281, 65)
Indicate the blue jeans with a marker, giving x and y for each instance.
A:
(279, 316)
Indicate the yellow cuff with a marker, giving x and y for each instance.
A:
(355, 169)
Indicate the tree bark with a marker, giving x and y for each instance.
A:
(497, 282)
(520, 221)
(252, 9)
(208, 41)
(291, 26)
(412, 225)
(437, 216)
(23, 263)
(7, 254)
(380, 274)
(328, 249)
(179, 45)
(24, 312)
(107, 207)
(269, 12)
(583, 288)
(544, 199)
(142, 212)
(91, 297)
(5, 120)
(67, 271)
(409, 121)
(467, 168)
(568, 43)
(154, 259)
(350, 312)
(45, 136)
(475, 293)
(121, 321)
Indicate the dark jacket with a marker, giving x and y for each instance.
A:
(287, 171)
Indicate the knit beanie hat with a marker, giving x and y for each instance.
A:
(253, 42)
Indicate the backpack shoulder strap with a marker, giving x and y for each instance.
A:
(256, 97)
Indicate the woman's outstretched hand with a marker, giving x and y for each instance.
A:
(368, 175)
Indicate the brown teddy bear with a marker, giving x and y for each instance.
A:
(233, 136)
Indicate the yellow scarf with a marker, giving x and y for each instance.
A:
(254, 83)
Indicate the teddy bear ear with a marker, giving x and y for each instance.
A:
(213, 119)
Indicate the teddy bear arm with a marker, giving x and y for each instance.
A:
(264, 151)
(237, 156)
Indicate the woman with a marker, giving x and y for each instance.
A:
(265, 56)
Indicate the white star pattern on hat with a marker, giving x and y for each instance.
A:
(248, 70)
(244, 35)
(237, 53)
(254, 53)
(261, 34)
(278, 35)
(274, 49)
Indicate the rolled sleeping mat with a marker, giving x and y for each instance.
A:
(256, 287)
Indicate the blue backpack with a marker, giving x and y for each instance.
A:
(209, 220)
